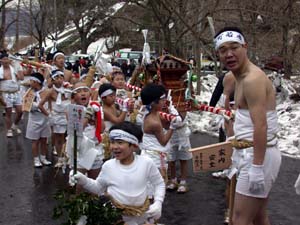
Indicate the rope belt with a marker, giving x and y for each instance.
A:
(130, 210)
(9, 92)
(241, 144)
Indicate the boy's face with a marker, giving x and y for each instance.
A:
(119, 81)
(59, 61)
(123, 151)
(34, 84)
(82, 96)
(109, 99)
(160, 104)
(58, 81)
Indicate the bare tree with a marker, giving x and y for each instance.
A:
(4, 26)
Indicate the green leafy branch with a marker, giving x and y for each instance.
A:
(99, 210)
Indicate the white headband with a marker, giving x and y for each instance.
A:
(163, 96)
(83, 76)
(57, 54)
(35, 79)
(78, 88)
(106, 93)
(118, 134)
(228, 36)
(57, 73)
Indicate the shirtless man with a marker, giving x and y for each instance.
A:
(256, 123)
(10, 93)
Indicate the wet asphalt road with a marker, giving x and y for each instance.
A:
(26, 194)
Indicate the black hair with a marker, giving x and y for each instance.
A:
(106, 86)
(152, 93)
(130, 128)
(38, 76)
(230, 29)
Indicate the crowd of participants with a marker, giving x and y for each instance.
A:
(125, 147)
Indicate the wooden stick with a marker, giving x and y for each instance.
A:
(231, 198)
(90, 76)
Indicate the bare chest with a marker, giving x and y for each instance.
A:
(7, 74)
(239, 97)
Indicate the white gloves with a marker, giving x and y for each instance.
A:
(96, 108)
(297, 185)
(154, 210)
(173, 110)
(124, 106)
(176, 122)
(77, 178)
(256, 179)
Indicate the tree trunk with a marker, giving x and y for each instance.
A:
(3, 24)
(17, 26)
(285, 31)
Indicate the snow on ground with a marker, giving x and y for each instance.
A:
(288, 112)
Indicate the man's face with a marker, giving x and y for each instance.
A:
(232, 55)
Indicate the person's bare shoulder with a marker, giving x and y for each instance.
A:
(152, 125)
(68, 75)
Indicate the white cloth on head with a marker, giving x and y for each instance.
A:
(228, 36)
(242, 159)
(118, 134)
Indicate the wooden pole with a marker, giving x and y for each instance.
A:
(231, 198)
(75, 152)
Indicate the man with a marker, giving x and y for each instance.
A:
(11, 94)
(256, 125)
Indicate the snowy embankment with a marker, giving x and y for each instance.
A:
(288, 112)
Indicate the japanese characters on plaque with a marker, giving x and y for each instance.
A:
(212, 157)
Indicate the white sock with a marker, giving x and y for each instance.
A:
(183, 182)
(36, 158)
(42, 157)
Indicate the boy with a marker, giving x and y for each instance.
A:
(11, 94)
(180, 145)
(125, 177)
(156, 139)
(90, 150)
(59, 99)
(38, 128)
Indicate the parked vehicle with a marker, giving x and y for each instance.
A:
(72, 58)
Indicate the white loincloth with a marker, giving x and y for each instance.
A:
(243, 158)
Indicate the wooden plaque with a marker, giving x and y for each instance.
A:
(28, 100)
(212, 157)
